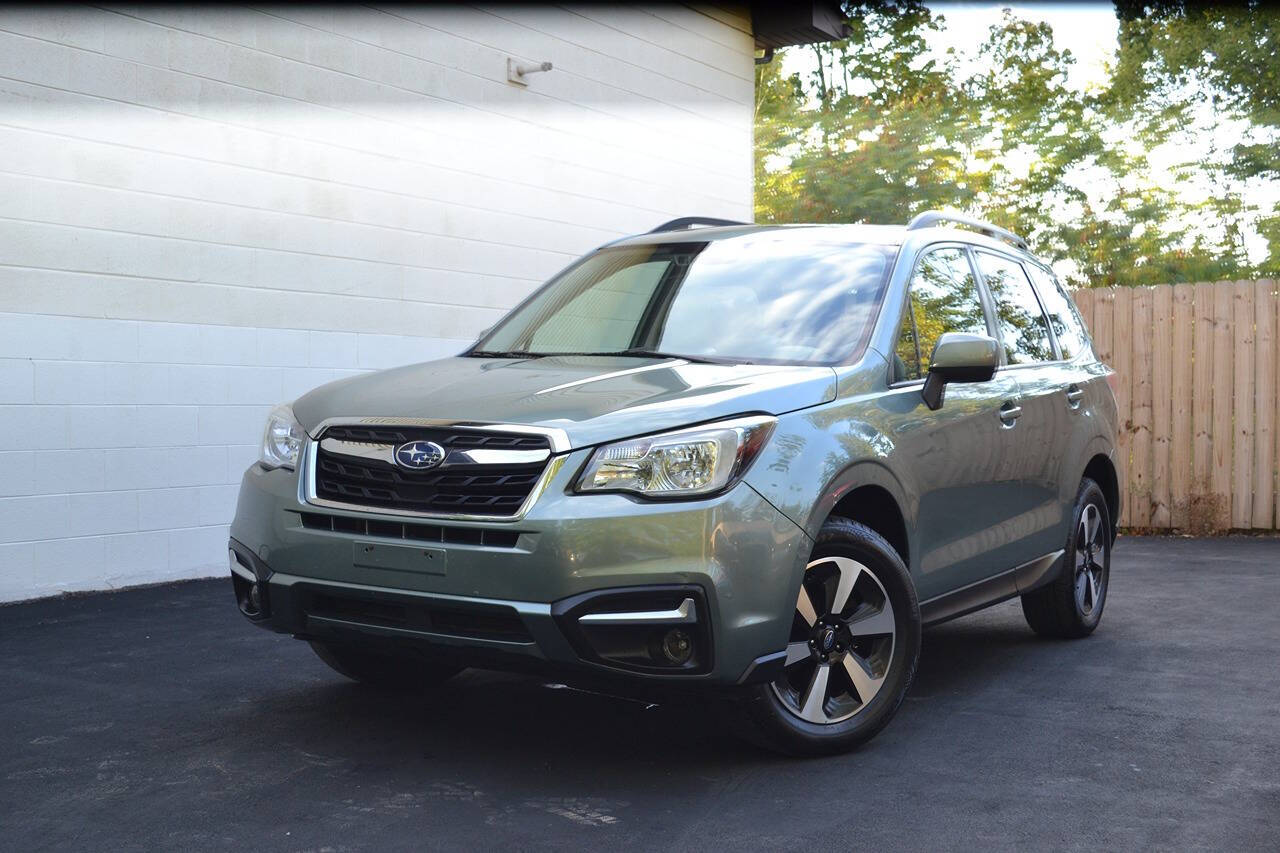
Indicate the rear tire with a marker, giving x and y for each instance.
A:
(852, 653)
(384, 671)
(1071, 606)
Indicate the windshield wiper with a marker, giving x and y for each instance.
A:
(696, 359)
(633, 352)
(488, 353)
(640, 352)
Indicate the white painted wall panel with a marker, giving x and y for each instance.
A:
(205, 211)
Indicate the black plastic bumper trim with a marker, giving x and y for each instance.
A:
(243, 587)
(567, 610)
(764, 669)
(247, 558)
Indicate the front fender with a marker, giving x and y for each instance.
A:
(817, 456)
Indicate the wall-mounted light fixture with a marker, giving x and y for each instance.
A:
(516, 70)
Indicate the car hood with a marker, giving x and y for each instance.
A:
(592, 399)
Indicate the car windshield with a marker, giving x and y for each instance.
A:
(768, 298)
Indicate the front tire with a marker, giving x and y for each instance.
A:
(1071, 606)
(852, 653)
(384, 671)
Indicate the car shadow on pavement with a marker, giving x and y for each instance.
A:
(528, 720)
(961, 656)
(523, 720)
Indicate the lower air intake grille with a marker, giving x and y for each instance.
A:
(486, 622)
(411, 531)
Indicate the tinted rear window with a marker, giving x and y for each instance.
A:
(1066, 322)
(1023, 328)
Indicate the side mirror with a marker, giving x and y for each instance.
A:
(959, 357)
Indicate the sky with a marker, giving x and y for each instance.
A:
(1088, 30)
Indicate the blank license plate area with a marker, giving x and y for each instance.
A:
(400, 558)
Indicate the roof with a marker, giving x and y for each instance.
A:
(843, 233)
(892, 235)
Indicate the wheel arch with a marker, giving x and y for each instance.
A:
(868, 493)
(1102, 470)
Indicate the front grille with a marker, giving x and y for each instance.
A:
(458, 489)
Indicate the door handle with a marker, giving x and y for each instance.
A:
(1074, 393)
(1009, 413)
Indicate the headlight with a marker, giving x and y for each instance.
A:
(282, 439)
(695, 461)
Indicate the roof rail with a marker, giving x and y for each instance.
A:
(930, 218)
(690, 221)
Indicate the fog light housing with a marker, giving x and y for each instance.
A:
(662, 630)
(251, 593)
(677, 646)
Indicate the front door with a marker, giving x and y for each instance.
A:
(962, 457)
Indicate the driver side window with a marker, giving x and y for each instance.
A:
(943, 298)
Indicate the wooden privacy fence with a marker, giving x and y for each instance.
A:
(1196, 366)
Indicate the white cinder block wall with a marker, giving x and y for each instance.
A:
(204, 212)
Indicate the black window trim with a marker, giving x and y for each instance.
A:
(904, 314)
(983, 300)
(992, 322)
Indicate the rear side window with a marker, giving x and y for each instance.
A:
(1067, 326)
(944, 298)
(1023, 328)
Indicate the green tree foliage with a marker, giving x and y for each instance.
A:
(1178, 61)
(862, 135)
(882, 128)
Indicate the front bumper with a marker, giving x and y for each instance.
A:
(513, 594)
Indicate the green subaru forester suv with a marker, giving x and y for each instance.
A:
(749, 459)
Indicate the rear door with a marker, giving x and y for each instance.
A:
(1069, 389)
(1040, 437)
(955, 454)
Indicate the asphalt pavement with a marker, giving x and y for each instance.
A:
(158, 719)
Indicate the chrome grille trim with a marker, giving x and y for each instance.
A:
(307, 470)
(384, 452)
(558, 438)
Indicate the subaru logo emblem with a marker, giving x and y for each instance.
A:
(419, 455)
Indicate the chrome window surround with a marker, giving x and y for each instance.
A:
(558, 439)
